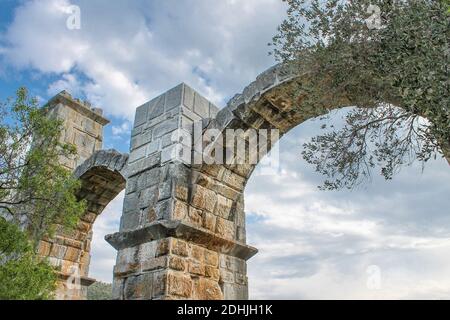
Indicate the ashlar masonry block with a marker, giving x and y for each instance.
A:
(70, 252)
(83, 126)
(175, 231)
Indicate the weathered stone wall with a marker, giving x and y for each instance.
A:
(182, 232)
(83, 126)
(177, 239)
(102, 179)
(194, 211)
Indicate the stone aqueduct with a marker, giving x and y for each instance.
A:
(182, 232)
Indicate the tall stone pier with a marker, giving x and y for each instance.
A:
(182, 233)
(69, 252)
(179, 238)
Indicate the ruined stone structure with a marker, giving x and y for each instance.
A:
(182, 232)
(102, 180)
(83, 126)
(180, 237)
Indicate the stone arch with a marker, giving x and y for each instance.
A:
(102, 179)
(271, 101)
(183, 231)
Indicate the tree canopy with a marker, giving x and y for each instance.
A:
(23, 275)
(37, 195)
(390, 58)
(99, 291)
(35, 189)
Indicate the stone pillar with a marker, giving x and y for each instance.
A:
(177, 239)
(70, 252)
(83, 126)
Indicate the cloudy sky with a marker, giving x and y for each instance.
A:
(384, 240)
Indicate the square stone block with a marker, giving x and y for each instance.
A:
(141, 115)
(156, 107)
(139, 287)
(174, 97)
(201, 106)
(188, 98)
(206, 289)
(179, 284)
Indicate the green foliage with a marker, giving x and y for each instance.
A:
(22, 275)
(397, 56)
(99, 291)
(447, 3)
(36, 192)
(34, 186)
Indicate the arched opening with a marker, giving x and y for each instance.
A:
(103, 256)
(102, 179)
(271, 102)
(188, 238)
(384, 240)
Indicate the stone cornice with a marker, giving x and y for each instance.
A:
(181, 230)
(84, 281)
(66, 99)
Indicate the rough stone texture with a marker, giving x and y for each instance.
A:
(182, 232)
(102, 177)
(196, 216)
(102, 173)
(83, 126)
